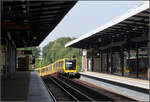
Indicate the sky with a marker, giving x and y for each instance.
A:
(86, 16)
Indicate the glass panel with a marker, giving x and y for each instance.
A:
(104, 62)
(70, 64)
(130, 63)
(97, 64)
(143, 63)
(116, 69)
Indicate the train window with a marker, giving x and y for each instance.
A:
(70, 65)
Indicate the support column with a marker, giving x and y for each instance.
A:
(107, 61)
(15, 59)
(129, 55)
(148, 72)
(122, 60)
(92, 64)
(137, 62)
(101, 61)
(111, 63)
(82, 63)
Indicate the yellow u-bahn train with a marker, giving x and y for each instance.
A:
(66, 66)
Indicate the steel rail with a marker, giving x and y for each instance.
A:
(96, 95)
(53, 97)
(56, 83)
(112, 98)
(78, 94)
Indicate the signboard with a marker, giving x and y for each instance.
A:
(3, 48)
(84, 52)
(14, 26)
(24, 52)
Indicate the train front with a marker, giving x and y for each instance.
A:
(71, 68)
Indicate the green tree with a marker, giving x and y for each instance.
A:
(55, 50)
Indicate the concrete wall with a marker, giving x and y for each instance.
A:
(84, 63)
(84, 60)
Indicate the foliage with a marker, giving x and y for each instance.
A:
(55, 50)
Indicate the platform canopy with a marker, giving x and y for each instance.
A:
(129, 28)
(28, 22)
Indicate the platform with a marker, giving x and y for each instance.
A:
(24, 86)
(130, 81)
(134, 88)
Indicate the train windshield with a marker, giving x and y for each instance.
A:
(70, 64)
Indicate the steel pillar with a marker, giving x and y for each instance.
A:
(10, 59)
(107, 61)
(137, 62)
(129, 53)
(101, 61)
(148, 71)
(111, 63)
(122, 60)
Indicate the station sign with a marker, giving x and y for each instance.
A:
(3, 48)
(15, 26)
(84, 52)
(24, 52)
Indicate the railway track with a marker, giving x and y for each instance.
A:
(64, 92)
(94, 93)
(95, 96)
(65, 89)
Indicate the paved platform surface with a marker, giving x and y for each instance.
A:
(126, 91)
(24, 86)
(130, 81)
